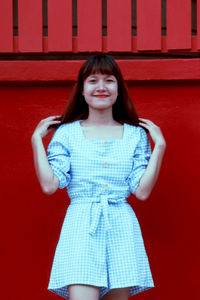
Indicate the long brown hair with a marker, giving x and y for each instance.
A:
(77, 108)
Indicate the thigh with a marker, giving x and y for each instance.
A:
(117, 294)
(83, 292)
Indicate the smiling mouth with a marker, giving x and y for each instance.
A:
(101, 96)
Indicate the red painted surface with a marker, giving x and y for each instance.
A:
(169, 219)
(149, 25)
(6, 26)
(179, 24)
(133, 70)
(30, 25)
(59, 25)
(119, 25)
(164, 49)
(89, 14)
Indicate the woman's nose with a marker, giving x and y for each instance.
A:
(101, 85)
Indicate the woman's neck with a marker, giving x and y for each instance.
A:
(100, 118)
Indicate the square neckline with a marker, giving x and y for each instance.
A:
(101, 140)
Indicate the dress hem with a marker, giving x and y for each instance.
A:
(134, 289)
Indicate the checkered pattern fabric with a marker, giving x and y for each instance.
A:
(100, 242)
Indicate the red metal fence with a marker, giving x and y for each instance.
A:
(105, 26)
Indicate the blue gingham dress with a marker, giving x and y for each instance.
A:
(100, 242)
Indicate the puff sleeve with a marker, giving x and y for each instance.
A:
(58, 156)
(141, 158)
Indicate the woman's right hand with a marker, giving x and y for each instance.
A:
(42, 129)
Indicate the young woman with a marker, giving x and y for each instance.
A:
(100, 151)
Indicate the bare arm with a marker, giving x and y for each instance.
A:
(48, 181)
(151, 173)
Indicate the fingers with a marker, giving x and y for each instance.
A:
(52, 118)
(146, 120)
(144, 125)
(52, 122)
(45, 123)
(147, 123)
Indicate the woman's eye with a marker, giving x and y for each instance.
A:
(92, 80)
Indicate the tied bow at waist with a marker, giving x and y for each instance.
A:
(103, 201)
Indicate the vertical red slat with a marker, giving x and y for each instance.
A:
(198, 24)
(119, 25)
(6, 26)
(89, 15)
(149, 25)
(30, 25)
(60, 25)
(179, 24)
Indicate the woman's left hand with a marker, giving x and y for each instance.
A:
(154, 131)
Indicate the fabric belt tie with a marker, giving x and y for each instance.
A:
(104, 201)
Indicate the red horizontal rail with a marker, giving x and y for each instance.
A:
(119, 36)
(194, 46)
(133, 70)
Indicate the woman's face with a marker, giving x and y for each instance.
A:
(100, 90)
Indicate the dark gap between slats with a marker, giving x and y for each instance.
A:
(163, 18)
(74, 18)
(45, 17)
(134, 17)
(15, 17)
(194, 17)
(104, 17)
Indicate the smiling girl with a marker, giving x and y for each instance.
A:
(101, 153)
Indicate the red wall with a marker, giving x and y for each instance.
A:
(169, 219)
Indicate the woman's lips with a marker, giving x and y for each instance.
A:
(101, 96)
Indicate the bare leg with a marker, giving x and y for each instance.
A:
(117, 294)
(83, 292)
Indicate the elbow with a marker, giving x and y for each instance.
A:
(50, 187)
(48, 190)
(142, 195)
